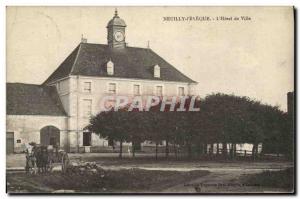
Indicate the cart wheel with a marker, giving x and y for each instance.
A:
(65, 162)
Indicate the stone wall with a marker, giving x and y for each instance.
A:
(26, 129)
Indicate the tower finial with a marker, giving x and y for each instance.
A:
(116, 12)
(148, 44)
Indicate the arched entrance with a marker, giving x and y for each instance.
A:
(50, 135)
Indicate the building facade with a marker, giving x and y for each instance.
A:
(57, 111)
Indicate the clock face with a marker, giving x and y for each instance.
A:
(119, 36)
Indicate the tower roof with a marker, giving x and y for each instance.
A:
(116, 21)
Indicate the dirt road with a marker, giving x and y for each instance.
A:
(221, 182)
(224, 176)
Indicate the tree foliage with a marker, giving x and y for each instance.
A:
(222, 119)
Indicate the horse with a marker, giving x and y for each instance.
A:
(31, 166)
(42, 159)
(37, 159)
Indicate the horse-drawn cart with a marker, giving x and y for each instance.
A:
(58, 158)
(45, 158)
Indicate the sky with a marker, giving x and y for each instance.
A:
(253, 58)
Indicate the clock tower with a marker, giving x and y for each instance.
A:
(116, 32)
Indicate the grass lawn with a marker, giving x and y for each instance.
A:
(129, 180)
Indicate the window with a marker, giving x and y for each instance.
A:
(181, 91)
(110, 67)
(112, 88)
(87, 138)
(136, 90)
(87, 107)
(159, 91)
(157, 71)
(87, 87)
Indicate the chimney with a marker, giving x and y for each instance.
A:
(83, 40)
(148, 44)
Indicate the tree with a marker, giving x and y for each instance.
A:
(222, 119)
(233, 119)
(110, 125)
(137, 123)
(153, 128)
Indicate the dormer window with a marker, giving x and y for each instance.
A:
(157, 71)
(110, 67)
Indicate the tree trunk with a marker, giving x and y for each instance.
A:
(167, 148)
(211, 149)
(262, 152)
(218, 148)
(121, 149)
(175, 150)
(233, 150)
(205, 148)
(133, 149)
(253, 151)
(224, 149)
(156, 150)
(256, 150)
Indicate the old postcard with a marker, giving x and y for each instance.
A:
(150, 100)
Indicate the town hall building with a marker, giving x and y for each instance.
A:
(57, 111)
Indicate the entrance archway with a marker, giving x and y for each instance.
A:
(50, 135)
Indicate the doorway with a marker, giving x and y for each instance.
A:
(87, 138)
(50, 135)
(10, 144)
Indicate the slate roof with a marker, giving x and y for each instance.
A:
(31, 99)
(90, 60)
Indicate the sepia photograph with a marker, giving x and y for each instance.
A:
(150, 100)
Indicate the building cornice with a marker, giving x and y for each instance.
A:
(132, 79)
